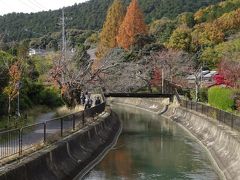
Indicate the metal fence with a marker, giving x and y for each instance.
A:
(18, 141)
(222, 116)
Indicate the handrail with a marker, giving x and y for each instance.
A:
(16, 141)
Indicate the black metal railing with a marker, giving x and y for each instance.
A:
(227, 118)
(18, 141)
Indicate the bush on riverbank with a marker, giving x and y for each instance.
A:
(31, 95)
(222, 98)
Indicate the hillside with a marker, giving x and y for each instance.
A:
(89, 15)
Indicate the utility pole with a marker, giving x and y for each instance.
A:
(163, 81)
(64, 46)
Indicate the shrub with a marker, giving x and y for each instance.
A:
(203, 95)
(3, 104)
(50, 97)
(237, 100)
(221, 98)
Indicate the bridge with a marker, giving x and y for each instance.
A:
(139, 95)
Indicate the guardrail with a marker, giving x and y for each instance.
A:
(222, 116)
(18, 141)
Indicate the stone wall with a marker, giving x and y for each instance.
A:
(73, 156)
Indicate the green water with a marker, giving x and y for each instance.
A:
(150, 148)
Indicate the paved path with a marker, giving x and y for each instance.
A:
(31, 136)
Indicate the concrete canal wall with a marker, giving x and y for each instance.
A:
(155, 105)
(75, 155)
(222, 143)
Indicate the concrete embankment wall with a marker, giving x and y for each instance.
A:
(71, 157)
(221, 141)
(156, 105)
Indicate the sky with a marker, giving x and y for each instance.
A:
(28, 6)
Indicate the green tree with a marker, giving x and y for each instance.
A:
(162, 29)
(110, 29)
(186, 18)
(181, 39)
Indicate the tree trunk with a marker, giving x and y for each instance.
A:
(150, 88)
(197, 91)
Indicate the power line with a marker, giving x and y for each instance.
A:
(26, 4)
(35, 5)
(38, 4)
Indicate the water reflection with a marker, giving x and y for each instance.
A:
(151, 147)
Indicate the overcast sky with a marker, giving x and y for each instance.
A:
(27, 6)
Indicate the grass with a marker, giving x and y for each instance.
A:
(221, 98)
(63, 111)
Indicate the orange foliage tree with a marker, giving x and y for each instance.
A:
(114, 19)
(15, 73)
(133, 25)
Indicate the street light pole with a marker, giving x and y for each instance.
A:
(19, 84)
(18, 108)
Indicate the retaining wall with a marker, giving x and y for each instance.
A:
(70, 157)
(156, 105)
(222, 142)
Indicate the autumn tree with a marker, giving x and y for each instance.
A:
(133, 25)
(156, 77)
(229, 70)
(186, 19)
(115, 16)
(15, 73)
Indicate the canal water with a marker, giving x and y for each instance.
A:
(153, 148)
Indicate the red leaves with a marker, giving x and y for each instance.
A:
(219, 79)
(229, 74)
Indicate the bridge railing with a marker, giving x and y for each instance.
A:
(20, 141)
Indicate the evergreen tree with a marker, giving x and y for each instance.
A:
(110, 29)
(133, 24)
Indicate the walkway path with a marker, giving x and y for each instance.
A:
(31, 136)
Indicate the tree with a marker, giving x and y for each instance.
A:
(186, 19)
(133, 25)
(156, 77)
(15, 73)
(176, 64)
(181, 39)
(162, 29)
(207, 35)
(229, 70)
(115, 16)
(5, 60)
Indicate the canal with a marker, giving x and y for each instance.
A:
(153, 148)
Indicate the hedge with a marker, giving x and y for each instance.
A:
(221, 97)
